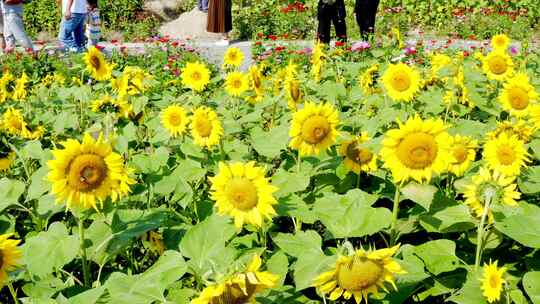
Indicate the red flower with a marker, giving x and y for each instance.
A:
(340, 43)
(466, 53)
(258, 43)
(272, 37)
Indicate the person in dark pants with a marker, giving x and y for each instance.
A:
(365, 16)
(328, 12)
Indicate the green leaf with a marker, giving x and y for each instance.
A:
(38, 184)
(309, 266)
(522, 227)
(450, 219)
(11, 191)
(294, 206)
(421, 194)
(303, 242)
(88, 297)
(278, 264)
(351, 215)
(470, 293)
(529, 181)
(33, 149)
(149, 286)
(50, 250)
(97, 237)
(289, 182)
(531, 284)
(151, 163)
(270, 143)
(205, 242)
(439, 256)
(412, 264)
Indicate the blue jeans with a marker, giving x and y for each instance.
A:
(14, 31)
(72, 32)
(203, 5)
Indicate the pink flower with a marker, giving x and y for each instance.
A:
(360, 46)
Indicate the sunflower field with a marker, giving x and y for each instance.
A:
(326, 175)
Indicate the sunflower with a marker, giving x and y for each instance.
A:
(313, 128)
(233, 57)
(236, 83)
(492, 282)
(96, 65)
(205, 127)
(498, 65)
(195, 76)
(500, 42)
(256, 83)
(493, 186)
(20, 92)
(520, 128)
(518, 95)
(438, 62)
(463, 149)
(33, 133)
(10, 256)
(86, 173)
(13, 121)
(360, 274)
(401, 82)
(368, 80)
(534, 118)
(107, 104)
(241, 191)
(418, 150)
(506, 154)
(175, 120)
(358, 158)
(132, 82)
(239, 288)
(6, 156)
(7, 86)
(293, 92)
(154, 242)
(318, 58)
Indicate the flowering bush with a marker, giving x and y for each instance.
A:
(364, 172)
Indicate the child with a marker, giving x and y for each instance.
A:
(93, 28)
(12, 12)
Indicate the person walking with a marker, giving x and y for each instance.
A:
(12, 13)
(328, 12)
(71, 34)
(366, 10)
(93, 28)
(220, 19)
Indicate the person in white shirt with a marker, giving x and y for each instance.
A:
(71, 34)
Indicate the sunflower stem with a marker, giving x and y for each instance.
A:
(395, 212)
(13, 293)
(358, 180)
(86, 272)
(480, 233)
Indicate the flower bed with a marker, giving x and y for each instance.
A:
(324, 175)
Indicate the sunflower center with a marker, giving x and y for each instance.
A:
(493, 281)
(15, 123)
(315, 129)
(460, 154)
(497, 65)
(196, 76)
(257, 81)
(358, 154)
(95, 62)
(233, 294)
(237, 83)
(359, 274)
(401, 82)
(203, 126)
(86, 172)
(242, 193)
(506, 155)
(417, 150)
(175, 119)
(518, 98)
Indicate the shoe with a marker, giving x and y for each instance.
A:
(222, 42)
